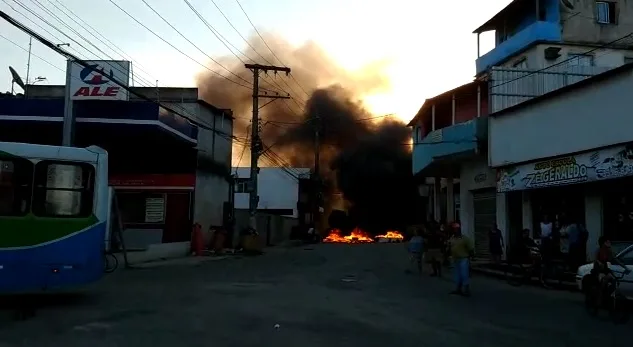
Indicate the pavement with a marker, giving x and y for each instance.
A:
(318, 295)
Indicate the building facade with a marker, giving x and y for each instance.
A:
(568, 155)
(168, 172)
(283, 197)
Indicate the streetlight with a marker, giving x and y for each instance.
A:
(38, 79)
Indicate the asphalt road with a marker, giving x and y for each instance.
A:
(332, 295)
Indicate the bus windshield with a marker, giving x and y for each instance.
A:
(16, 177)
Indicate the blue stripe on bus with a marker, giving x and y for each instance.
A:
(71, 261)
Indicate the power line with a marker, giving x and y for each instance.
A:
(176, 48)
(81, 62)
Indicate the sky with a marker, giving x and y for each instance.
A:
(429, 45)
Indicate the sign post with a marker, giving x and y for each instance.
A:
(69, 119)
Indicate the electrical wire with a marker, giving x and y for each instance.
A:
(177, 49)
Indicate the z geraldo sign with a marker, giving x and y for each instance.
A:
(94, 81)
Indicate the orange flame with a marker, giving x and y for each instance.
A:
(391, 235)
(356, 236)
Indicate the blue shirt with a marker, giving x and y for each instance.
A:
(415, 244)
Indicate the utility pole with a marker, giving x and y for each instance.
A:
(256, 143)
(316, 178)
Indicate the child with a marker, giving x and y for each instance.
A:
(415, 249)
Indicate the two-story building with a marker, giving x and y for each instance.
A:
(449, 136)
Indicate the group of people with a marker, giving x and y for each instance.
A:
(437, 244)
(561, 238)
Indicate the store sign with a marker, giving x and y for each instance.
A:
(597, 165)
(95, 80)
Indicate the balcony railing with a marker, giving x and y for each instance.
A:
(537, 31)
(512, 86)
(453, 140)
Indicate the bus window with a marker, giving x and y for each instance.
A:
(16, 177)
(63, 190)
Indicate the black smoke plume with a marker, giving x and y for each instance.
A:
(364, 156)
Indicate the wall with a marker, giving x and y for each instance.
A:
(277, 189)
(574, 121)
(475, 174)
(579, 24)
(214, 158)
(535, 55)
(279, 226)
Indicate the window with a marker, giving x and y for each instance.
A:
(521, 64)
(605, 12)
(580, 59)
(141, 208)
(16, 176)
(241, 185)
(63, 190)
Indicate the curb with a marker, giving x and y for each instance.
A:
(566, 285)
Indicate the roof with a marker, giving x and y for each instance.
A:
(226, 113)
(429, 102)
(516, 7)
(578, 85)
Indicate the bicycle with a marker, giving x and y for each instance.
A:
(517, 272)
(110, 262)
(613, 300)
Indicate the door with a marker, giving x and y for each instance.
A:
(485, 214)
(177, 218)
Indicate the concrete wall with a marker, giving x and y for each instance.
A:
(212, 188)
(592, 116)
(279, 226)
(604, 57)
(277, 190)
(579, 24)
(474, 175)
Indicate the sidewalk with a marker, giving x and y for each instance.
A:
(496, 270)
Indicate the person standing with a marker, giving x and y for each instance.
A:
(496, 244)
(434, 251)
(547, 229)
(415, 249)
(462, 249)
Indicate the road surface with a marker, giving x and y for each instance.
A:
(332, 295)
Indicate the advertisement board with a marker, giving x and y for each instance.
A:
(94, 82)
(601, 164)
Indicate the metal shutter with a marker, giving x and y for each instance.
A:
(485, 213)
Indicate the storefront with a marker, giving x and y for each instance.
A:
(155, 209)
(589, 187)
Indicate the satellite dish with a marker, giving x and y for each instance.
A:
(567, 4)
(16, 78)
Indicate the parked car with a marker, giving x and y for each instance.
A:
(624, 252)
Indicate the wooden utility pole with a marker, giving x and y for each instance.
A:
(316, 178)
(256, 143)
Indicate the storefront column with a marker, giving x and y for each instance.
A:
(450, 200)
(466, 212)
(503, 222)
(526, 207)
(437, 205)
(593, 220)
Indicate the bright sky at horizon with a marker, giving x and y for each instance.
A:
(429, 44)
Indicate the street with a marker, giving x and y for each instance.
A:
(322, 295)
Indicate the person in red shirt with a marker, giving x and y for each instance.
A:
(604, 256)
